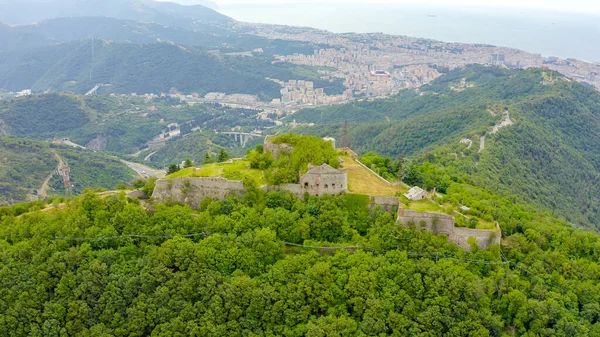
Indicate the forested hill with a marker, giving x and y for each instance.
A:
(27, 168)
(60, 30)
(128, 68)
(548, 157)
(238, 268)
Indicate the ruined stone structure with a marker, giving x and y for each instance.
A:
(324, 179)
(437, 223)
(484, 238)
(319, 181)
(277, 149)
(292, 188)
(192, 191)
(387, 204)
(416, 193)
(444, 224)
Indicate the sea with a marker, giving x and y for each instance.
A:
(565, 35)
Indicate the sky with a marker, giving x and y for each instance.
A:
(578, 6)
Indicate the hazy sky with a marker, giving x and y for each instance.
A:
(582, 6)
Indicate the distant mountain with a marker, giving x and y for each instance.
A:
(166, 13)
(127, 68)
(54, 31)
(207, 36)
(205, 3)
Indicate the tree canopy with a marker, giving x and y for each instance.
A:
(231, 269)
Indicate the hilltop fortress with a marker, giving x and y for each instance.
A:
(317, 181)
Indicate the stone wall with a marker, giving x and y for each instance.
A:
(484, 238)
(324, 183)
(293, 188)
(437, 223)
(387, 204)
(444, 224)
(191, 191)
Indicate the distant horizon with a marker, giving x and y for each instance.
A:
(561, 6)
(564, 35)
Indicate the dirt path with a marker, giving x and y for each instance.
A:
(42, 194)
(481, 143)
(505, 122)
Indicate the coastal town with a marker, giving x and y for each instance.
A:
(379, 65)
(371, 66)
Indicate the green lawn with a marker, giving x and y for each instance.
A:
(425, 206)
(428, 206)
(361, 181)
(237, 170)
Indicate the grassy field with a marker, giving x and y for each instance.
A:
(425, 206)
(237, 170)
(361, 181)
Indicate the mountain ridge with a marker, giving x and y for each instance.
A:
(548, 157)
(23, 12)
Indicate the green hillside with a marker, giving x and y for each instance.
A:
(26, 164)
(549, 157)
(238, 268)
(81, 119)
(67, 29)
(128, 68)
(195, 146)
(118, 124)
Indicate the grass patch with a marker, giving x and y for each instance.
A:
(425, 206)
(238, 170)
(362, 181)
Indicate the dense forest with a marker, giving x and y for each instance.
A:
(548, 157)
(244, 266)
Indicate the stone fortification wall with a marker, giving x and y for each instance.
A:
(437, 223)
(444, 224)
(387, 204)
(484, 238)
(324, 183)
(191, 191)
(293, 188)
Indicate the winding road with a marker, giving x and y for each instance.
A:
(145, 171)
(42, 192)
(505, 122)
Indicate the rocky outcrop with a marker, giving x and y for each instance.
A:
(97, 144)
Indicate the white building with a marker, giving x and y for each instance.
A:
(416, 193)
